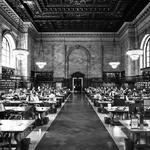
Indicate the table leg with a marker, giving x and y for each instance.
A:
(17, 138)
(9, 140)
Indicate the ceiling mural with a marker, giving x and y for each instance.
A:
(77, 15)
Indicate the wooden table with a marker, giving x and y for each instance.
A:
(12, 103)
(105, 102)
(17, 109)
(119, 110)
(136, 132)
(35, 102)
(14, 128)
(42, 111)
(126, 124)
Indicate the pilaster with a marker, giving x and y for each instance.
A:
(1, 50)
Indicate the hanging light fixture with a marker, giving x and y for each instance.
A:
(114, 64)
(136, 52)
(41, 63)
(20, 52)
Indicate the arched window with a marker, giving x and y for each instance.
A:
(145, 45)
(8, 44)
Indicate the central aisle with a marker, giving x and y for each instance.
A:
(77, 127)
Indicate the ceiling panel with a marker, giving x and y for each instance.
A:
(77, 15)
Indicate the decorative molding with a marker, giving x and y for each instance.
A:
(10, 15)
(145, 13)
(78, 37)
(7, 10)
(142, 15)
(29, 25)
(79, 34)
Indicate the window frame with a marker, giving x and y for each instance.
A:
(8, 44)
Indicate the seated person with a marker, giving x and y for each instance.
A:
(28, 97)
(58, 93)
(34, 97)
(2, 96)
(16, 97)
(52, 97)
(98, 96)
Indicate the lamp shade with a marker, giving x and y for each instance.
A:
(114, 65)
(135, 54)
(41, 64)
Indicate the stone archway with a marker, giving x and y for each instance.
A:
(78, 60)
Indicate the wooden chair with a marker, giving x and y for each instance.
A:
(4, 141)
(23, 105)
(15, 117)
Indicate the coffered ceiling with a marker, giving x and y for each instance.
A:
(77, 15)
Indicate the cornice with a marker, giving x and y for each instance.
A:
(100, 35)
(142, 15)
(6, 10)
(125, 29)
(9, 14)
(145, 13)
(29, 25)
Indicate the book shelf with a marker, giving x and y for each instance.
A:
(143, 85)
(42, 78)
(7, 84)
(7, 81)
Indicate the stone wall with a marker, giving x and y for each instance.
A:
(67, 53)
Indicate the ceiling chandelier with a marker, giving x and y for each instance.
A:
(41, 63)
(77, 2)
(136, 52)
(114, 64)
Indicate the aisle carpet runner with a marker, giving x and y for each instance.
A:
(77, 127)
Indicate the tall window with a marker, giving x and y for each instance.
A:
(147, 56)
(8, 45)
(145, 45)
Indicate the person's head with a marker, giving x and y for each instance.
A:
(34, 93)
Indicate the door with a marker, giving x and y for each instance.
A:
(77, 84)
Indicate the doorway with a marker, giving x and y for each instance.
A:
(77, 84)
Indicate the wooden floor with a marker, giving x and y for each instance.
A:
(114, 131)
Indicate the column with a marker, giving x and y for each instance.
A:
(22, 56)
(65, 49)
(130, 65)
(1, 51)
